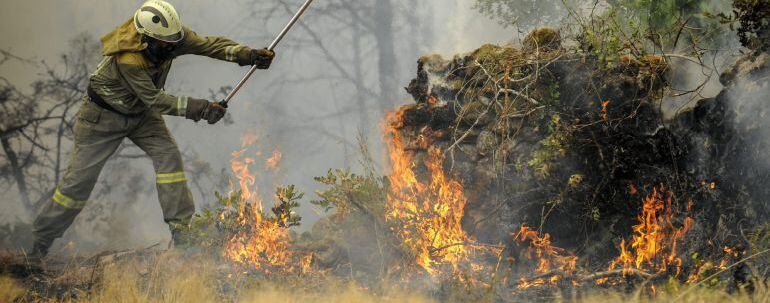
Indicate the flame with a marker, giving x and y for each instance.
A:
(426, 215)
(605, 103)
(653, 247)
(272, 162)
(550, 259)
(730, 255)
(257, 240)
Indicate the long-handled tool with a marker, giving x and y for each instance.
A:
(271, 47)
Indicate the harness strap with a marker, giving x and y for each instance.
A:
(96, 99)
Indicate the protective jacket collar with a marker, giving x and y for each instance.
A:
(125, 38)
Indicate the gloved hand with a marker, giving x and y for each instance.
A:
(214, 112)
(198, 109)
(262, 58)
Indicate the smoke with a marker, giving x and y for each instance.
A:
(302, 105)
(461, 28)
(747, 101)
(694, 78)
(310, 121)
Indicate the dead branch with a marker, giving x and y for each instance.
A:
(618, 272)
(517, 93)
(440, 248)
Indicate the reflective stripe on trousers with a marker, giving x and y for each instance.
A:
(169, 178)
(66, 201)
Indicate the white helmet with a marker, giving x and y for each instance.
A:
(158, 19)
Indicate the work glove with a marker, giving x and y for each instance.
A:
(262, 58)
(214, 112)
(198, 109)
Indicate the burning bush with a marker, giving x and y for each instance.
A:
(241, 230)
(567, 140)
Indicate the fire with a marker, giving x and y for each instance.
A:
(605, 103)
(257, 240)
(730, 255)
(426, 215)
(550, 259)
(653, 247)
(272, 162)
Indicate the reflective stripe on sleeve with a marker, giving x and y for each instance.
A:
(67, 202)
(230, 53)
(168, 178)
(181, 106)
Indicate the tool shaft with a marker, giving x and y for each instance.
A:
(272, 46)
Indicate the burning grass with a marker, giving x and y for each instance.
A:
(551, 260)
(175, 277)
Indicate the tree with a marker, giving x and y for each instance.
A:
(664, 21)
(522, 12)
(36, 126)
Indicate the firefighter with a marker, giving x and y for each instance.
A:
(125, 99)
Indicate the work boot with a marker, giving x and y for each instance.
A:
(32, 264)
(179, 239)
(176, 238)
(39, 251)
(183, 243)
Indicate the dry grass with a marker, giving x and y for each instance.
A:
(10, 289)
(347, 294)
(698, 295)
(168, 277)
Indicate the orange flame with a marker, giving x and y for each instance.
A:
(653, 247)
(259, 241)
(549, 258)
(272, 162)
(605, 103)
(427, 215)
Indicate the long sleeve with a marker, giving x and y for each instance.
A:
(140, 83)
(216, 47)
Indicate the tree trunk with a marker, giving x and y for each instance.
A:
(363, 111)
(17, 171)
(383, 25)
(59, 135)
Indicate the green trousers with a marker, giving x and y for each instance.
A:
(98, 134)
